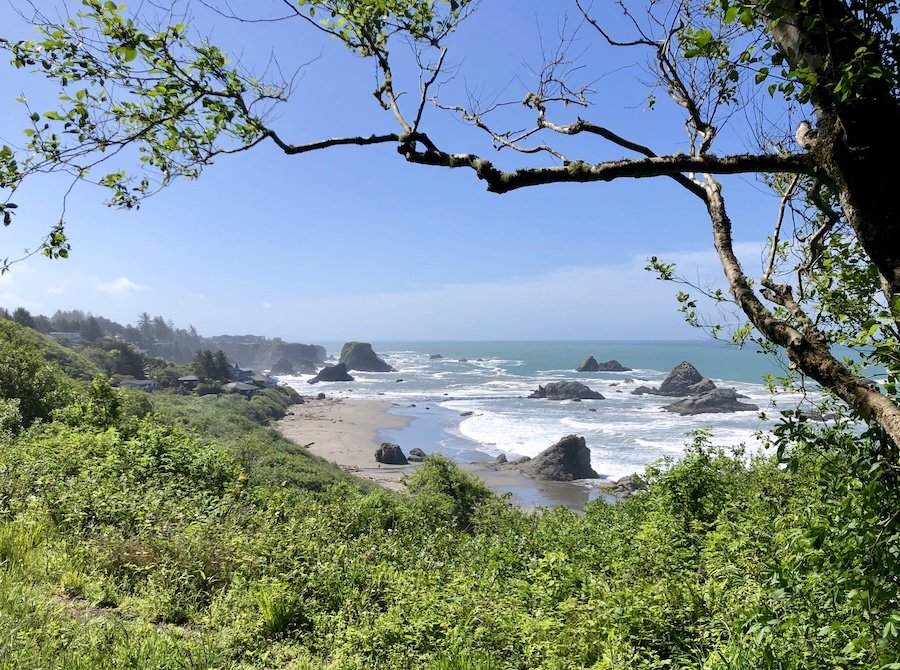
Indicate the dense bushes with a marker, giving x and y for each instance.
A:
(444, 494)
(193, 536)
(719, 564)
(39, 386)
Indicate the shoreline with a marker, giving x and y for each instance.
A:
(346, 432)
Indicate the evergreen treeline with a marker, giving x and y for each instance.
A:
(159, 338)
(166, 531)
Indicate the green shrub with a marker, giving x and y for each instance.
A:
(442, 491)
(39, 385)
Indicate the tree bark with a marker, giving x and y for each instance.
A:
(805, 347)
(858, 121)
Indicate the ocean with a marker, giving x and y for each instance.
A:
(468, 400)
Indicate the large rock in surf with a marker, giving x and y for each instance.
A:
(565, 391)
(390, 454)
(612, 366)
(685, 380)
(589, 364)
(359, 356)
(332, 373)
(566, 460)
(715, 401)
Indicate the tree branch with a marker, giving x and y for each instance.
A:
(807, 348)
(499, 181)
(292, 149)
(776, 234)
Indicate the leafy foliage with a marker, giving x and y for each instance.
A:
(189, 538)
(39, 386)
(444, 492)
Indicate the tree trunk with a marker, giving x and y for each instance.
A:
(858, 119)
(806, 348)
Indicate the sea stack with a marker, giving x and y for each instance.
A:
(332, 373)
(564, 461)
(589, 364)
(566, 391)
(360, 356)
(711, 402)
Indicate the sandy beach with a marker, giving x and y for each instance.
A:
(345, 432)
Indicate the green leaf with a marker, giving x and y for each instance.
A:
(703, 37)
(747, 19)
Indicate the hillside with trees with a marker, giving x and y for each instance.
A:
(156, 337)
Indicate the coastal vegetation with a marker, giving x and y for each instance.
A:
(161, 343)
(171, 531)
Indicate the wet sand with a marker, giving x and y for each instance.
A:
(345, 432)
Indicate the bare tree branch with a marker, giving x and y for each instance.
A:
(293, 149)
(776, 234)
(499, 181)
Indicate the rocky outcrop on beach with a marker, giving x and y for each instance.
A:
(416, 455)
(565, 391)
(360, 356)
(590, 364)
(715, 401)
(684, 380)
(564, 461)
(435, 357)
(332, 373)
(503, 462)
(390, 454)
(624, 486)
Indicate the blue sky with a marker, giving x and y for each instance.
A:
(353, 243)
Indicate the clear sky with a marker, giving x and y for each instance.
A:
(353, 243)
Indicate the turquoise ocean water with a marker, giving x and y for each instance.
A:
(468, 400)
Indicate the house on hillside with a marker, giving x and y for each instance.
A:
(188, 382)
(239, 374)
(248, 390)
(148, 385)
(264, 381)
(64, 337)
